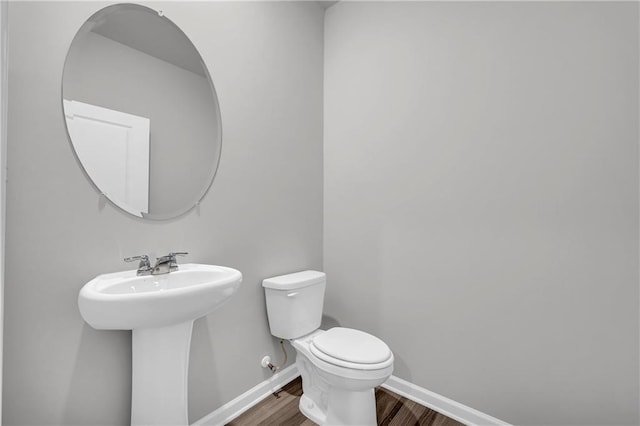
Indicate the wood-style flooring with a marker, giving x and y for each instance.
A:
(392, 410)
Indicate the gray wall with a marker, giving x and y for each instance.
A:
(262, 216)
(481, 199)
(179, 103)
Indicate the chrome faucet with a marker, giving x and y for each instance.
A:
(144, 267)
(166, 264)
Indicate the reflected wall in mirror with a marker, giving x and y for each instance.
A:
(141, 112)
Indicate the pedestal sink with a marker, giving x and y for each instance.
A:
(160, 309)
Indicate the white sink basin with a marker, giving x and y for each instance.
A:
(124, 301)
(160, 309)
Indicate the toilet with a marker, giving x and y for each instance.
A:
(340, 367)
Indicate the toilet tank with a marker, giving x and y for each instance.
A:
(294, 303)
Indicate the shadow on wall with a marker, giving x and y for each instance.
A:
(329, 322)
(203, 369)
(102, 363)
(400, 367)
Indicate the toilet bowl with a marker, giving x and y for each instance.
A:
(340, 367)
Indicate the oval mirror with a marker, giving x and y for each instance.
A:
(141, 112)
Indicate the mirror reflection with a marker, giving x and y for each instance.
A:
(141, 111)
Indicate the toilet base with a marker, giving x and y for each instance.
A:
(351, 408)
(311, 410)
(346, 408)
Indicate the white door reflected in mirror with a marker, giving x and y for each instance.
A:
(113, 146)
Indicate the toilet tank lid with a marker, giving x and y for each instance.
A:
(295, 280)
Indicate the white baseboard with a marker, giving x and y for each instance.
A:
(239, 405)
(441, 404)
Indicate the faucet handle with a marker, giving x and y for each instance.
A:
(144, 267)
(143, 258)
(178, 253)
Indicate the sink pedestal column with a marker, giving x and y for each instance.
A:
(159, 375)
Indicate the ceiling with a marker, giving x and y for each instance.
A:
(142, 29)
(168, 42)
(326, 4)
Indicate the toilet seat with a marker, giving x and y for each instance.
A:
(349, 348)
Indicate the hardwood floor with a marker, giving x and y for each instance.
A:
(392, 410)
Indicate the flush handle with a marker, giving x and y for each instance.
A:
(292, 294)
